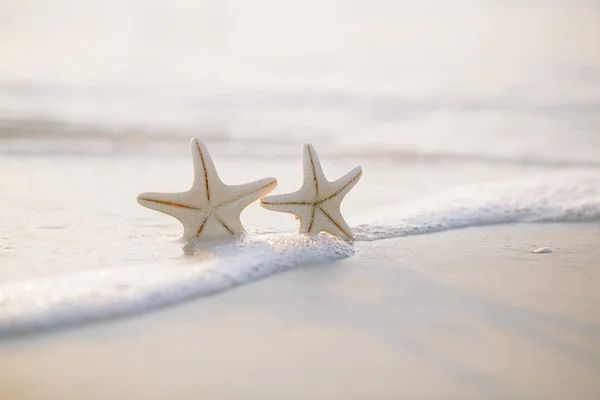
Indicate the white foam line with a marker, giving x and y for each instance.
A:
(558, 197)
(76, 298)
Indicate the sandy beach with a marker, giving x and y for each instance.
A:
(466, 314)
(476, 125)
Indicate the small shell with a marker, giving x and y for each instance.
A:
(542, 250)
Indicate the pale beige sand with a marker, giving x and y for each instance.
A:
(468, 314)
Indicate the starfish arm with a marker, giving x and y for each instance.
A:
(179, 206)
(307, 223)
(331, 221)
(195, 226)
(205, 172)
(229, 224)
(314, 178)
(336, 190)
(287, 203)
(242, 195)
(306, 219)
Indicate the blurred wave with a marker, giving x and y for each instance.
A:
(471, 80)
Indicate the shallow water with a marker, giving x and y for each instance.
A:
(75, 246)
(475, 113)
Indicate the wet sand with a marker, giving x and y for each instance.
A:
(469, 314)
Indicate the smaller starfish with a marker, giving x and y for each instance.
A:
(317, 203)
(210, 209)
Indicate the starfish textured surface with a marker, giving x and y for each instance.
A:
(210, 209)
(317, 203)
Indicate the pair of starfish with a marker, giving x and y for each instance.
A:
(211, 209)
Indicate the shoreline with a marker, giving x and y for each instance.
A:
(472, 310)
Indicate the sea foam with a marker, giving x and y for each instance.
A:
(557, 197)
(81, 297)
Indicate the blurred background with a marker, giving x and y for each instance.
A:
(485, 80)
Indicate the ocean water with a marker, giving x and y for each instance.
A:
(464, 114)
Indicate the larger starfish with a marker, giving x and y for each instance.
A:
(210, 209)
(317, 203)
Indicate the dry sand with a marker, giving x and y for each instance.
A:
(468, 314)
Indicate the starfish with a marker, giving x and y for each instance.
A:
(317, 203)
(210, 209)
